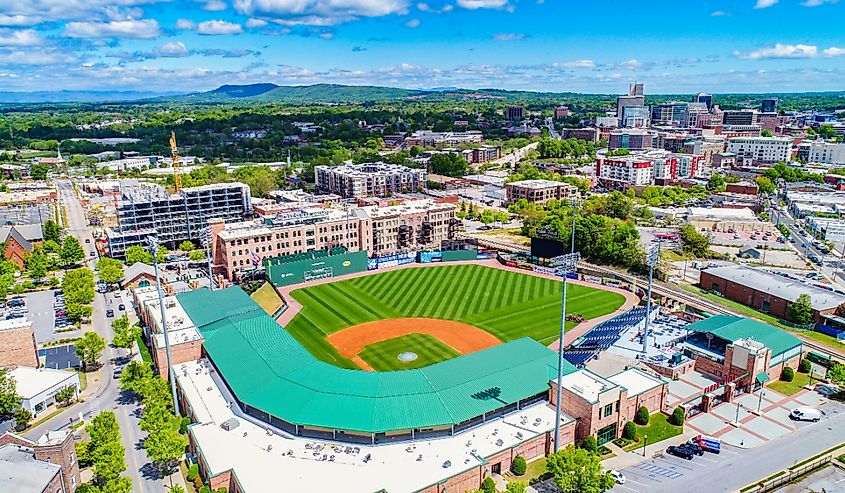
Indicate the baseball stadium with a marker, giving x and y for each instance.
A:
(446, 363)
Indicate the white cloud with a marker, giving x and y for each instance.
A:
(509, 36)
(578, 64)
(413, 23)
(173, 49)
(218, 27)
(214, 5)
(719, 13)
(424, 7)
(319, 12)
(482, 4)
(781, 50)
(255, 23)
(20, 57)
(631, 64)
(27, 37)
(764, 4)
(186, 24)
(20, 20)
(70, 10)
(816, 3)
(834, 51)
(132, 29)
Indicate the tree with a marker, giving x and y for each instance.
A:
(678, 416)
(65, 395)
(109, 461)
(805, 366)
(716, 183)
(487, 217)
(197, 255)
(125, 335)
(695, 244)
(22, 417)
(516, 487)
(629, 432)
(518, 466)
(787, 374)
(165, 447)
(10, 401)
(38, 171)
(801, 312)
(766, 133)
(186, 246)
(176, 489)
(641, 417)
(110, 270)
(117, 485)
(162, 253)
(764, 184)
(576, 470)
(488, 485)
(590, 445)
(448, 164)
(136, 254)
(835, 373)
(51, 231)
(89, 348)
(72, 251)
(37, 264)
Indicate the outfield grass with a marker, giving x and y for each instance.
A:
(267, 298)
(507, 304)
(383, 356)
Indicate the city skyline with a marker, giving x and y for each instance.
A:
(195, 45)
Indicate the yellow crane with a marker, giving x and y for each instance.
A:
(177, 180)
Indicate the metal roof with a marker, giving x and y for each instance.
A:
(735, 328)
(267, 368)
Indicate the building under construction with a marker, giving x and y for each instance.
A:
(148, 210)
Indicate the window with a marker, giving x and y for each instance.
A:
(765, 307)
(608, 410)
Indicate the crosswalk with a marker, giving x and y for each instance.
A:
(653, 470)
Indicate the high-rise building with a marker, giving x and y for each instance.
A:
(631, 139)
(739, 117)
(636, 89)
(635, 97)
(515, 113)
(704, 98)
(635, 116)
(369, 180)
(769, 105)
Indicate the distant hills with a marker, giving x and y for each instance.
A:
(78, 96)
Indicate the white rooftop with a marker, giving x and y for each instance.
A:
(586, 384)
(30, 382)
(743, 214)
(636, 381)
(252, 449)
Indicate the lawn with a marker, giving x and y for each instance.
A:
(793, 387)
(267, 298)
(383, 356)
(144, 350)
(657, 430)
(507, 304)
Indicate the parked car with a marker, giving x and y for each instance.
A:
(679, 452)
(827, 389)
(121, 307)
(61, 313)
(109, 313)
(693, 447)
(805, 414)
(618, 476)
(707, 443)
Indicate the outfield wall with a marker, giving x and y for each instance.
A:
(309, 269)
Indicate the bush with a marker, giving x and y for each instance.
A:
(488, 485)
(678, 416)
(183, 425)
(787, 375)
(805, 366)
(629, 431)
(519, 465)
(589, 444)
(193, 472)
(641, 418)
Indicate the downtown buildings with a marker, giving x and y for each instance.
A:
(369, 180)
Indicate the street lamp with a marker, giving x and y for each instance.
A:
(152, 241)
(652, 257)
(645, 441)
(563, 265)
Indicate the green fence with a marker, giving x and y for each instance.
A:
(287, 270)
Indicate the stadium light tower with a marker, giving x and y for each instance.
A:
(152, 241)
(651, 259)
(563, 264)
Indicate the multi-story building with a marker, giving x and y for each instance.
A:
(369, 180)
(673, 112)
(562, 112)
(148, 210)
(515, 113)
(707, 99)
(485, 154)
(760, 150)
(588, 134)
(539, 191)
(427, 138)
(47, 465)
(769, 105)
(822, 152)
(635, 116)
(380, 230)
(624, 171)
(631, 139)
(739, 117)
(731, 131)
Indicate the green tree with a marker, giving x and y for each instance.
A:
(801, 311)
(134, 376)
(766, 133)
(805, 366)
(488, 485)
(37, 264)
(109, 461)
(516, 487)
(165, 447)
(162, 253)
(448, 164)
(65, 395)
(10, 401)
(694, 243)
(125, 338)
(136, 254)
(787, 374)
(678, 416)
(51, 246)
(629, 432)
(576, 470)
(716, 183)
(110, 270)
(764, 184)
(117, 485)
(89, 348)
(487, 217)
(38, 171)
(176, 489)
(186, 246)
(22, 417)
(72, 251)
(835, 373)
(51, 231)
(197, 255)
(641, 417)
(518, 466)
(589, 444)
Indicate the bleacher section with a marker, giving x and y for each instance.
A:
(603, 336)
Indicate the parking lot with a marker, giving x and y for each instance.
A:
(26, 214)
(662, 469)
(43, 316)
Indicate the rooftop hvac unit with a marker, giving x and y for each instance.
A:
(230, 424)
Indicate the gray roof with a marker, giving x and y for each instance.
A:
(777, 285)
(29, 232)
(20, 472)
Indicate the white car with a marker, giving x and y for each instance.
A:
(805, 414)
(618, 476)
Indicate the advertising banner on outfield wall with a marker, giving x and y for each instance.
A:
(392, 260)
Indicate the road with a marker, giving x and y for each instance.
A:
(145, 477)
(735, 468)
(513, 157)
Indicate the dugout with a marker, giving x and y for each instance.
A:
(309, 266)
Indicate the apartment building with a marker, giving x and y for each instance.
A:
(624, 171)
(760, 150)
(822, 152)
(380, 230)
(148, 210)
(427, 138)
(485, 154)
(369, 180)
(631, 139)
(539, 191)
(739, 117)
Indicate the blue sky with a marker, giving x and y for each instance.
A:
(550, 45)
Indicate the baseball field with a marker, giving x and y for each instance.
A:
(505, 304)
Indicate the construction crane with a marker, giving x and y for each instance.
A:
(177, 180)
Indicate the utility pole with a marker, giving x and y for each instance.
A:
(152, 241)
(652, 257)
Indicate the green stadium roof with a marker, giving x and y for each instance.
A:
(268, 369)
(735, 328)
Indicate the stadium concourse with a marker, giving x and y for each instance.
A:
(266, 410)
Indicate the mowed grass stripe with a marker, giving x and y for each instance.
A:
(383, 356)
(461, 309)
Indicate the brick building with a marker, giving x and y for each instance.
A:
(539, 191)
(20, 242)
(47, 465)
(17, 344)
(743, 187)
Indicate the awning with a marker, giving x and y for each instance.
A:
(762, 378)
